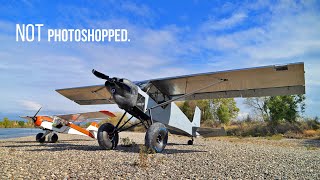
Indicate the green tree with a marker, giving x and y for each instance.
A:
(278, 108)
(225, 109)
(21, 123)
(206, 112)
(285, 108)
(223, 114)
(6, 123)
(186, 109)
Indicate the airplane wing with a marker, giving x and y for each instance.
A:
(87, 115)
(26, 118)
(88, 95)
(252, 82)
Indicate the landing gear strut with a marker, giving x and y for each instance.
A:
(108, 134)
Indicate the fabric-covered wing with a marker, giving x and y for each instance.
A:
(88, 95)
(26, 118)
(88, 115)
(251, 82)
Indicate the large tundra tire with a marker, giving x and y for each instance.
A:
(108, 137)
(39, 138)
(53, 137)
(156, 137)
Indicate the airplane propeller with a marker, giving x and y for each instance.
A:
(34, 117)
(101, 75)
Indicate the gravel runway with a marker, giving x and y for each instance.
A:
(78, 157)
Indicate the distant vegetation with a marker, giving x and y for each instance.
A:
(278, 115)
(6, 123)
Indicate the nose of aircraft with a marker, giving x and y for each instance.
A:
(37, 121)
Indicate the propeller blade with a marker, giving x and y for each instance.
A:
(100, 75)
(34, 117)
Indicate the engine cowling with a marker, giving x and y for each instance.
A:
(124, 93)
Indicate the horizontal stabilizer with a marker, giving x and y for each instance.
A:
(212, 132)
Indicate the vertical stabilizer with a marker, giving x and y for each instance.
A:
(196, 117)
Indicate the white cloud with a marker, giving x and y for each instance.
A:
(36, 70)
(225, 23)
(140, 10)
(30, 105)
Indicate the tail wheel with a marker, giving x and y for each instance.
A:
(53, 137)
(190, 142)
(156, 137)
(39, 138)
(108, 137)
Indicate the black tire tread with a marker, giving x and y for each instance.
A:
(152, 133)
(39, 139)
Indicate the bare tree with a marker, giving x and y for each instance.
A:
(258, 104)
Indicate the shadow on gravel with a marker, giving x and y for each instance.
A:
(136, 149)
(20, 142)
(176, 144)
(311, 142)
(68, 146)
(65, 146)
(25, 142)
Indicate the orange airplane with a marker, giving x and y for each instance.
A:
(64, 124)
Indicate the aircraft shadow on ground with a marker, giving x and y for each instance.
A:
(26, 142)
(69, 146)
(174, 144)
(311, 143)
(136, 149)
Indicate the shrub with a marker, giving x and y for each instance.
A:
(127, 142)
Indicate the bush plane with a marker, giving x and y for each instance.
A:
(152, 101)
(65, 124)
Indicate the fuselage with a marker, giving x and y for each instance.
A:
(47, 123)
(138, 103)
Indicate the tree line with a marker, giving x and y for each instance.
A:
(6, 123)
(273, 110)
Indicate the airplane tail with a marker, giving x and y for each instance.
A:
(196, 117)
(196, 121)
(93, 127)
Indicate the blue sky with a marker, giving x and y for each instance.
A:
(167, 39)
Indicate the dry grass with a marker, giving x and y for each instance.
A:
(127, 142)
(299, 129)
(143, 160)
(276, 137)
(311, 133)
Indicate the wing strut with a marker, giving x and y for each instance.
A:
(189, 94)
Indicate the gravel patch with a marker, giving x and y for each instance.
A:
(78, 157)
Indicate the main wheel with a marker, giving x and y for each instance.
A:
(108, 137)
(156, 137)
(53, 137)
(39, 138)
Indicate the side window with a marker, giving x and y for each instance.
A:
(141, 102)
